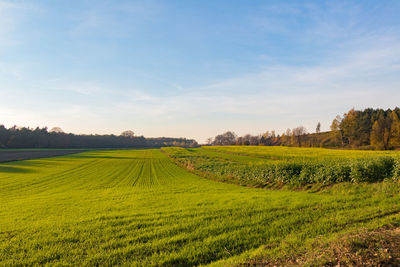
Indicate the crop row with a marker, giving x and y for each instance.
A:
(293, 172)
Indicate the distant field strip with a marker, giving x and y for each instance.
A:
(137, 207)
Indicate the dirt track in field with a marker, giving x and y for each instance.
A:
(6, 156)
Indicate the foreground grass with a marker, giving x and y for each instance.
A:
(137, 207)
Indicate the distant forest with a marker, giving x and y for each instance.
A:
(368, 129)
(23, 137)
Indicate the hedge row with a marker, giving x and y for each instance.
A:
(300, 173)
(296, 171)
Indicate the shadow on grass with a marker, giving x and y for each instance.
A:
(10, 169)
(101, 157)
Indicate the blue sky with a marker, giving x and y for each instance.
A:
(195, 68)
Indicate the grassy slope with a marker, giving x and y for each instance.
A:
(138, 207)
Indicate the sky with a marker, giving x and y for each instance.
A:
(195, 68)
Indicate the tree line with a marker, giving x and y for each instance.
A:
(359, 129)
(25, 137)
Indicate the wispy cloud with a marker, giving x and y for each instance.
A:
(7, 22)
(115, 19)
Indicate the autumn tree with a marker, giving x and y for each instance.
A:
(348, 126)
(380, 134)
(395, 130)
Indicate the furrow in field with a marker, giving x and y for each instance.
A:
(40, 183)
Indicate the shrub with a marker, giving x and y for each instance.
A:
(372, 169)
(333, 172)
(288, 172)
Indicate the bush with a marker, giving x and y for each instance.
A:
(288, 172)
(372, 170)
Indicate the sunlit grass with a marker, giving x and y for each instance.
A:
(137, 207)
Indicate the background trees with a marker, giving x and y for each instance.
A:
(365, 129)
(22, 137)
(395, 130)
(225, 139)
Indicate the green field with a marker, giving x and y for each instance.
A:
(276, 166)
(138, 207)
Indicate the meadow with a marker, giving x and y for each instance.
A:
(138, 207)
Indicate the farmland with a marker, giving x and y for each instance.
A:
(138, 207)
(276, 166)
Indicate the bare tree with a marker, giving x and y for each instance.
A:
(246, 139)
(128, 133)
(56, 130)
(239, 141)
(254, 140)
(298, 132)
(225, 139)
(229, 138)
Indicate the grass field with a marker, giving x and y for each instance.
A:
(137, 207)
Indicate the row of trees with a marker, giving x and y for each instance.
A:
(367, 129)
(294, 137)
(23, 137)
